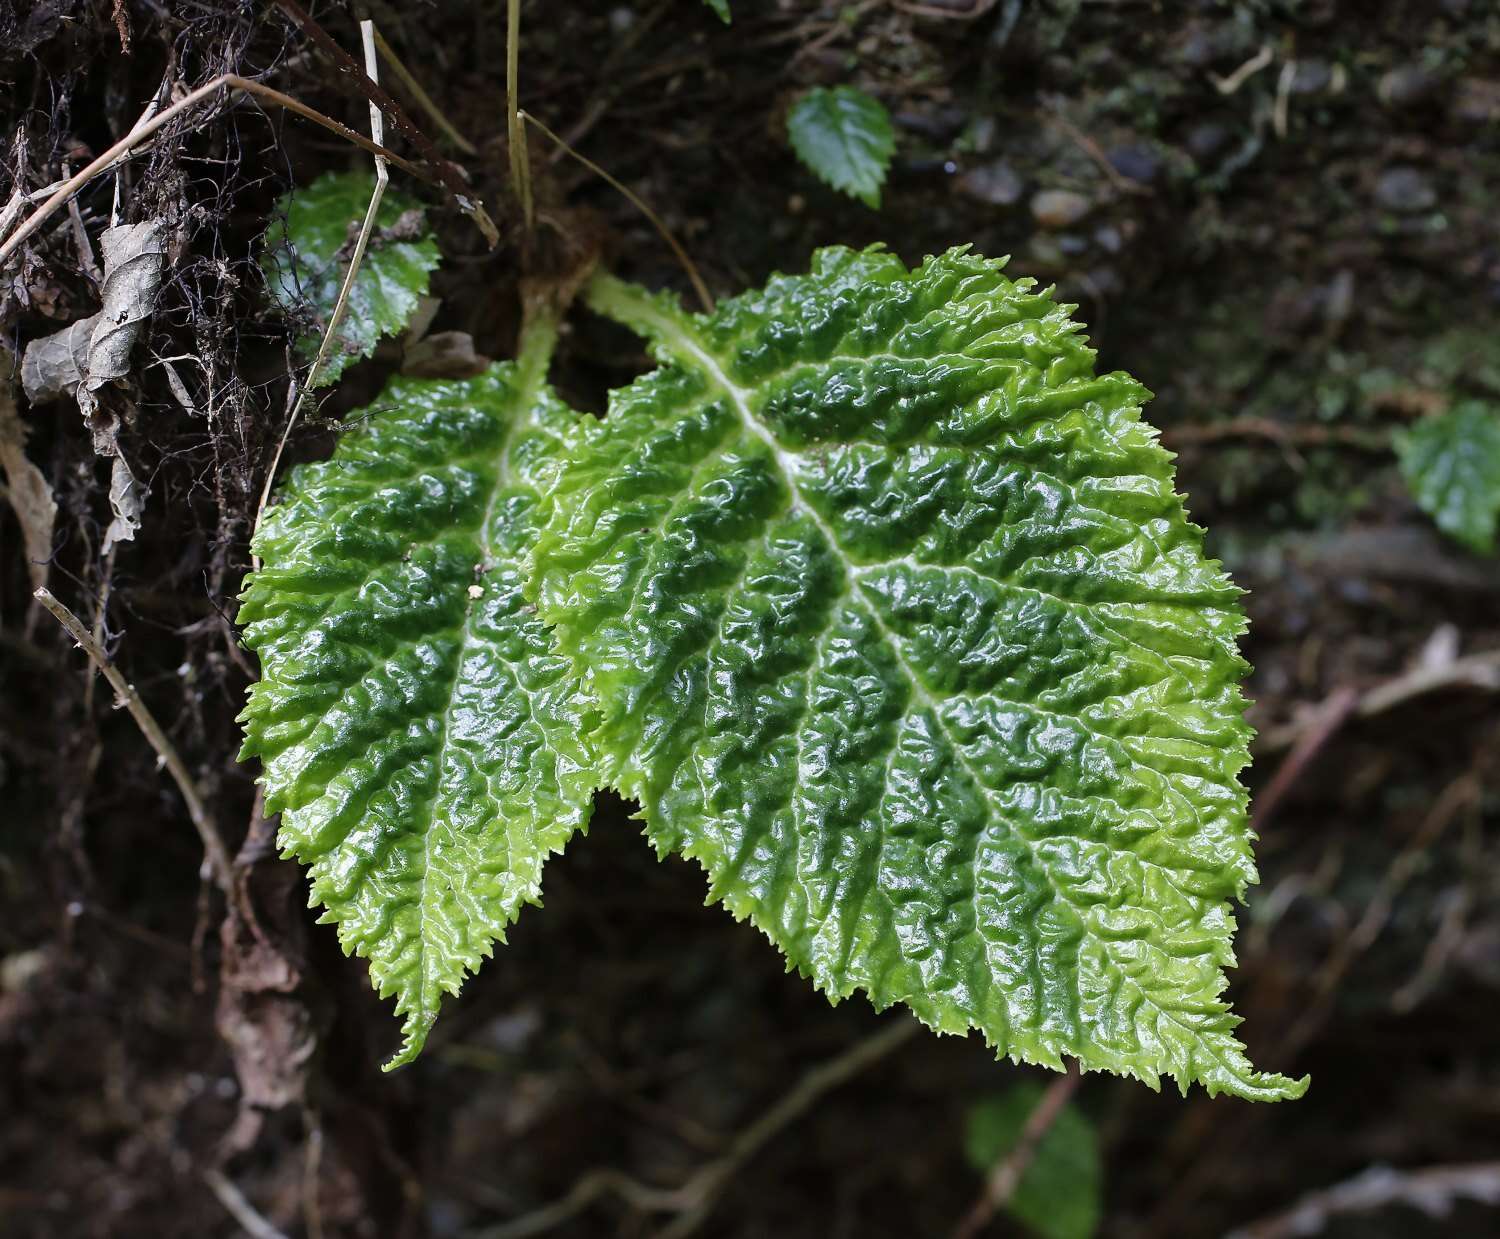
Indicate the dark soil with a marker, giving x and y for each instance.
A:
(1298, 258)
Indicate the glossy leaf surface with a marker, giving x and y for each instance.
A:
(845, 138)
(898, 627)
(1451, 462)
(420, 738)
(307, 254)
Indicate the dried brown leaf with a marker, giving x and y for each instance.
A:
(26, 485)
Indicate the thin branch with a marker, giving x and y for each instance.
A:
(382, 178)
(639, 203)
(424, 100)
(141, 132)
(203, 822)
(240, 1209)
(1280, 433)
(1331, 716)
(1228, 85)
(696, 1199)
(1479, 671)
(1432, 1190)
(1006, 1177)
(451, 176)
(520, 169)
(708, 1185)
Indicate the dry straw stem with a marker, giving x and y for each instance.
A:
(520, 167)
(251, 1221)
(1432, 1189)
(213, 846)
(141, 132)
(424, 100)
(382, 178)
(639, 203)
(448, 174)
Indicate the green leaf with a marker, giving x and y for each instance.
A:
(307, 255)
(845, 138)
(721, 7)
(897, 626)
(420, 738)
(1451, 462)
(1059, 1194)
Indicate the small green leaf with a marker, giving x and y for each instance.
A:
(1451, 462)
(721, 7)
(1059, 1194)
(421, 740)
(307, 255)
(845, 138)
(898, 627)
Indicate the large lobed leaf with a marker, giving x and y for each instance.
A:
(898, 627)
(420, 738)
(307, 255)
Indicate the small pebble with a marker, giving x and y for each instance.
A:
(995, 183)
(1136, 163)
(1206, 139)
(1108, 238)
(1405, 191)
(1407, 85)
(1311, 78)
(1059, 208)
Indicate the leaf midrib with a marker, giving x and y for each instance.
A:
(678, 340)
(530, 380)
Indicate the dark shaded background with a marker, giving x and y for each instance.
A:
(1298, 259)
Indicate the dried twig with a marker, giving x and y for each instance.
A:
(230, 81)
(382, 178)
(423, 99)
(240, 1209)
(213, 845)
(975, 10)
(448, 173)
(1280, 433)
(695, 1200)
(639, 203)
(1006, 1177)
(1280, 112)
(1228, 85)
(1481, 671)
(520, 167)
(1463, 793)
(707, 1186)
(1432, 1189)
(1056, 116)
(1330, 717)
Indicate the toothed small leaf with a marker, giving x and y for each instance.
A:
(421, 740)
(307, 253)
(845, 138)
(897, 626)
(721, 7)
(1451, 462)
